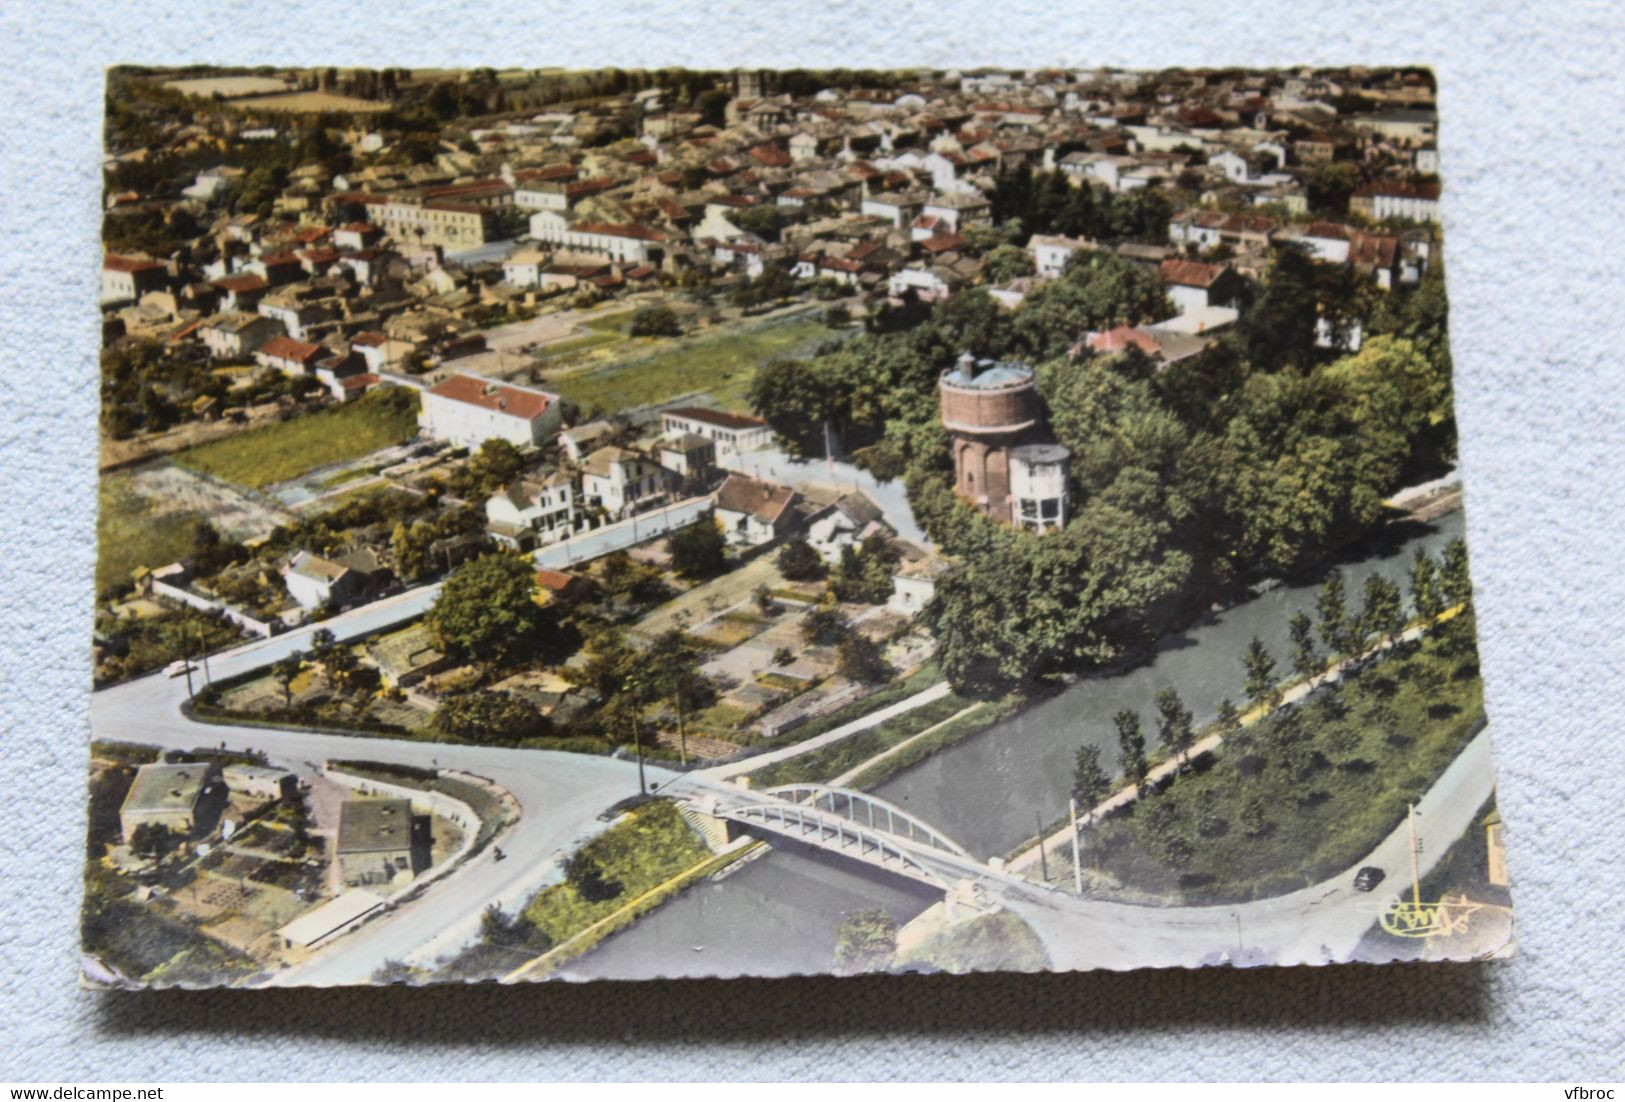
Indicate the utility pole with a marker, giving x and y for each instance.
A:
(1043, 861)
(1416, 872)
(186, 664)
(1077, 861)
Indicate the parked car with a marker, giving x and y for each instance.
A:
(1368, 878)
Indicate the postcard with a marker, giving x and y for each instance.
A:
(582, 524)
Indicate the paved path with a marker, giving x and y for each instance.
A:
(847, 777)
(845, 730)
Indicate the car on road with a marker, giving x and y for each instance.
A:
(176, 668)
(1368, 878)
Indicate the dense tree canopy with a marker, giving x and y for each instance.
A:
(487, 609)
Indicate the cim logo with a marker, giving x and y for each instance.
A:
(1420, 919)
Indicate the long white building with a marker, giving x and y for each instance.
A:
(469, 410)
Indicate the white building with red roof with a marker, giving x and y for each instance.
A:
(126, 278)
(469, 410)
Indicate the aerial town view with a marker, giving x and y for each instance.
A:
(615, 524)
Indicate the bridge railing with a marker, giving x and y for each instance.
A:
(875, 813)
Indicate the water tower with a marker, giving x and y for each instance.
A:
(1003, 464)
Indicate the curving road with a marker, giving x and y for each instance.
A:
(560, 797)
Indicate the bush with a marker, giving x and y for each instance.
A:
(655, 321)
(799, 562)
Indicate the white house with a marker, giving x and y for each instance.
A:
(237, 336)
(628, 243)
(753, 512)
(316, 582)
(897, 209)
(524, 268)
(1193, 285)
(542, 508)
(618, 481)
(289, 356)
(468, 410)
(1052, 252)
(732, 432)
(126, 279)
(852, 520)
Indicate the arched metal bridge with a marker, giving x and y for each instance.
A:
(852, 823)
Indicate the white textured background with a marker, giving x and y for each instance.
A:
(1531, 97)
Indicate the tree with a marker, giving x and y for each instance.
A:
(487, 610)
(1334, 614)
(837, 317)
(496, 464)
(866, 942)
(1174, 726)
(1383, 615)
(1426, 597)
(1006, 262)
(795, 398)
(1090, 785)
(824, 626)
(1454, 581)
(1229, 720)
(490, 718)
(1261, 689)
(498, 928)
(284, 672)
(864, 574)
(1306, 660)
(583, 873)
(697, 550)
(151, 840)
(670, 670)
(655, 321)
(1253, 817)
(1131, 747)
(861, 660)
(799, 562)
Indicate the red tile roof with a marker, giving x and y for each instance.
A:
(112, 262)
(1124, 336)
(497, 397)
(1190, 273)
(370, 339)
(766, 501)
(286, 348)
(718, 417)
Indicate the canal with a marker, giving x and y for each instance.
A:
(777, 915)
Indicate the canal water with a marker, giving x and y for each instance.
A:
(779, 914)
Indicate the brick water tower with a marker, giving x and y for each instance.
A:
(991, 410)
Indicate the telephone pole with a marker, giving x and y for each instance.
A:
(1077, 861)
(1416, 872)
(1043, 861)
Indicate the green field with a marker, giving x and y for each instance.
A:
(719, 365)
(275, 453)
(131, 531)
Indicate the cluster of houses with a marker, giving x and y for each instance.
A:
(385, 266)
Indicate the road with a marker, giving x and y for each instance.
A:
(560, 797)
